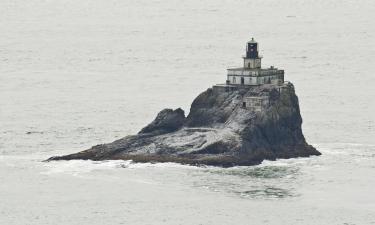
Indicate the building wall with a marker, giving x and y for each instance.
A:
(252, 63)
(243, 72)
(256, 80)
(274, 79)
(255, 72)
(257, 103)
(247, 80)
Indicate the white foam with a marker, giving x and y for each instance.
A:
(76, 167)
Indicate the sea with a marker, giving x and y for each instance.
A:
(74, 74)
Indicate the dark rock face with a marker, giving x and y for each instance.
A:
(219, 131)
(166, 121)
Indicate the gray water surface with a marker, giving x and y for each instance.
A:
(78, 73)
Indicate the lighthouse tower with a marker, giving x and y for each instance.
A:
(252, 59)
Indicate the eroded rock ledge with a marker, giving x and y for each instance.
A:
(241, 126)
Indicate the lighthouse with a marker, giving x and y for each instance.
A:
(252, 59)
(252, 72)
(252, 75)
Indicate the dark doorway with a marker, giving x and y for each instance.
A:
(244, 104)
(242, 80)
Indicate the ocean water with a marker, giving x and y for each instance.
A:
(78, 73)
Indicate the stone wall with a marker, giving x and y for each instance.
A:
(255, 103)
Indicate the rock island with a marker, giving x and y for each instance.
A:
(252, 117)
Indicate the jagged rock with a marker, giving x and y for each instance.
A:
(219, 130)
(166, 121)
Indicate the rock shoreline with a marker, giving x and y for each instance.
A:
(219, 130)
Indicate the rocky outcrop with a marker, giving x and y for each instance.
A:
(219, 130)
(166, 121)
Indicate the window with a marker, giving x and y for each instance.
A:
(234, 80)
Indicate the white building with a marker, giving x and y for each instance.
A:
(252, 73)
